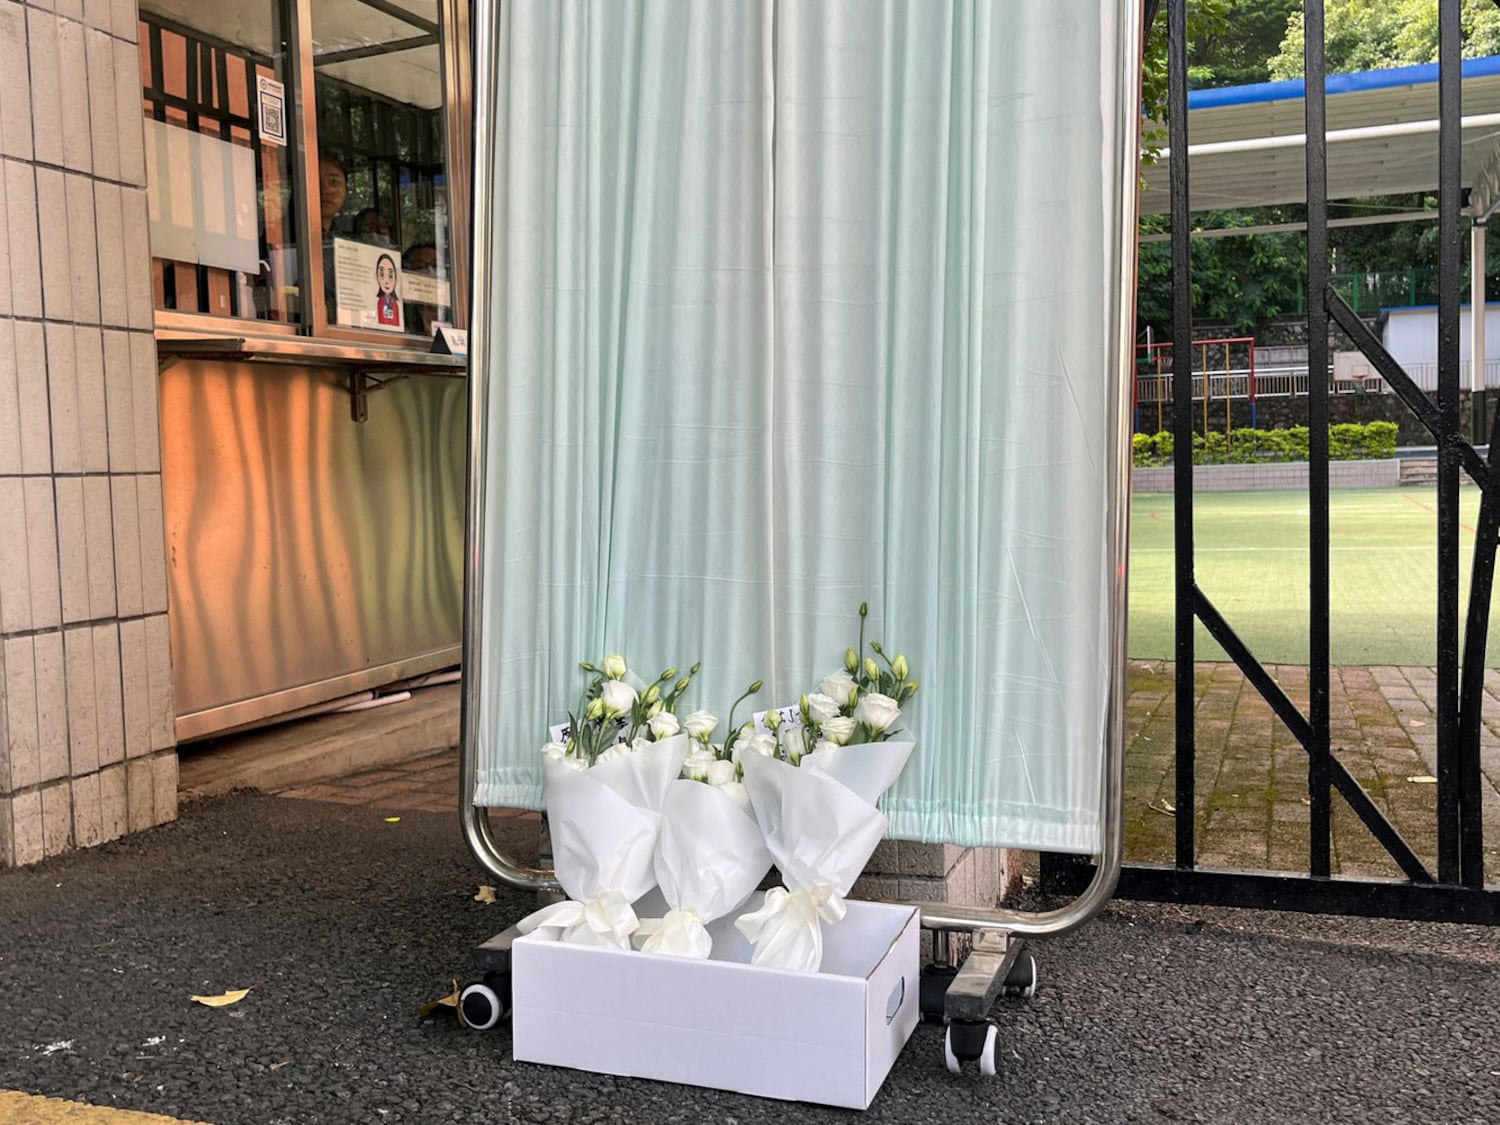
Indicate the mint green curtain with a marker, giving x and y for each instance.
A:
(799, 305)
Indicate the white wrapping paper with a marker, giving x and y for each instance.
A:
(604, 823)
(869, 768)
(710, 857)
(820, 834)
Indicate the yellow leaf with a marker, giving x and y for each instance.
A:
(486, 894)
(1423, 779)
(233, 996)
(449, 1001)
(393, 820)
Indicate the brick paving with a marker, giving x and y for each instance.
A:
(1251, 804)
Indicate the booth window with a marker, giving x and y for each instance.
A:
(324, 214)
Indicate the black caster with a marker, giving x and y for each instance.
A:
(934, 991)
(966, 1041)
(483, 1006)
(1021, 980)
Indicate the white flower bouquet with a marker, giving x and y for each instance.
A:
(606, 777)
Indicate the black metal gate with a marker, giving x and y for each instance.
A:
(1456, 891)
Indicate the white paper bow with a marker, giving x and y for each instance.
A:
(606, 920)
(787, 930)
(679, 933)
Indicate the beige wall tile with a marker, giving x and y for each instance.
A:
(52, 223)
(119, 391)
(51, 706)
(46, 87)
(26, 828)
(99, 534)
(15, 560)
(164, 787)
(93, 423)
(143, 399)
(57, 817)
(21, 237)
(127, 523)
(135, 682)
(5, 282)
(137, 256)
(15, 83)
(123, 18)
(109, 223)
(104, 125)
(72, 550)
(72, 9)
(113, 801)
(108, 708)
(7, 839)
(132, 125)
(83, 704)
(5, 786)
(140, 798)
(153, 544)
(73, 70)
(41, 553)
(62, 394)
(159, 671)
(20, 713)
(32, 406)
(83, 250)
(88, 817)
(10, 402)
(96, 13)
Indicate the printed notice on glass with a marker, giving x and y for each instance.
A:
(367, 287)
(270, 96)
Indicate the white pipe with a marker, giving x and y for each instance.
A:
(1334, 136)
(1476, 311)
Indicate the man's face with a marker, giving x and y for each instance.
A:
(333, 190)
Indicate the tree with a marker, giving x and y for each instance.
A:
(1377, 34)
(1238, 52)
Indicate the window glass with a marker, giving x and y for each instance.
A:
(220, 172)
(383, 187)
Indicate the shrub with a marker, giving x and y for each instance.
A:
(1348, 441)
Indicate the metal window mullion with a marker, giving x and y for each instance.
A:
(1449, 796)
(1182, 428)
(1319, 770)
(303, 98)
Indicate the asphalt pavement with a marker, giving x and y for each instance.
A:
(341, 923)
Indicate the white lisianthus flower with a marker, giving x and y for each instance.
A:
(838, 687)
(790, 738)
(821, 708)
(758, 743)
(614, 667)
(722, 773)
(737, 790)
(838, 730)
(554, 750)
(700, 724)
(695, 767)
(618, 696)
(876, 711)
(664, 725)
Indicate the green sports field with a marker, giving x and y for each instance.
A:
(1251, 561)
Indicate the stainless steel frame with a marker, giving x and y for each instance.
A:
(476, 825)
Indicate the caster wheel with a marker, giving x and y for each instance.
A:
(934, 991)
(480, 1007)
(971, 1042)
(1022, 978)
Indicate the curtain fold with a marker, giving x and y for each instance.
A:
(797, 306)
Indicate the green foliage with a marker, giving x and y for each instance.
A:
(1347, 441)
(1364, 35)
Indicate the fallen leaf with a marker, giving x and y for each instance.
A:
(1307, 800)
(449, 1001)
(486, 894)
(1423, 779)
(1165, 807)
(1417, 723)
(393, 820)
(233, 996)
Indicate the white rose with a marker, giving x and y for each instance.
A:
(664, 725)
(614, 667)
(821, 708)
(838, 687)
(695, 767)
(838, 730)
(700, 724)
(876, 711)
(554, 750)
(722, 773)
(737, 790)
(618, 697)
(759, 743)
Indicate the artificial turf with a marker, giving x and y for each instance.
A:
(1251, 560)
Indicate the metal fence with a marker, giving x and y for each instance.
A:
(1292, 382)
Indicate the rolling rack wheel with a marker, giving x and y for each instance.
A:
(1022, 978)
(482, 1006)
(967, 1041)
(994, 966)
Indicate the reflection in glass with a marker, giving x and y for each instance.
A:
(379, 94)
(220, 180)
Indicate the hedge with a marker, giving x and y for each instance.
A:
(1348, 441)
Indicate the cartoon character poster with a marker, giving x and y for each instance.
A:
(367, 286)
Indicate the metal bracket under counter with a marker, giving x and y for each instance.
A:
(369, 366)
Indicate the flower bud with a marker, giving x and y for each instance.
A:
(595, 709)
(614, 666)
(900, 667)
(872, 670)
(851, 660)
(653, 693)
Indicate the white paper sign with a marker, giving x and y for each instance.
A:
(271, 101)
(791, 718)
(368, 289)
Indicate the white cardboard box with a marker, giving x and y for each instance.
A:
(829, 1037)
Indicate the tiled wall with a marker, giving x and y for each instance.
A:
(86, 742)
